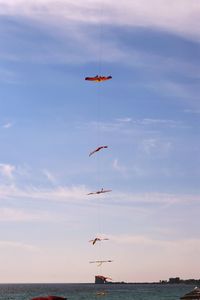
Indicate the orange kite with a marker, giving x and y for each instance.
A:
(98, 78)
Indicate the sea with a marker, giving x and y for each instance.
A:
(89, 291)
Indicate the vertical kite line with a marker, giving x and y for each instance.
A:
(98, 79)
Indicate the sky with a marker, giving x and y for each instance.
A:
(51, 119)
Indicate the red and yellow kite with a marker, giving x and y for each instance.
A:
(98, 78)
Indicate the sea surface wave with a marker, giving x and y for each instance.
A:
(89, 291)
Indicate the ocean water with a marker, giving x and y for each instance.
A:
(88, 291)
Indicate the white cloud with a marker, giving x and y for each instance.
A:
(167, 246)
(133, 239)
(60, 193)
(125, 120)
(119, 198)
(178, 90)
(177, 16)
(78, 195)
(147, 133)
(19, 245)
(156, 145)
(149, 145)
(12, 172)
(167, 123)
(80, 44)
(7, 170)
(50, 176)
(106, 126)
(128, 125)
(119, 167)
(20, 215)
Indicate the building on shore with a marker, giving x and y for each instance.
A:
(174, 280)
(99, 279)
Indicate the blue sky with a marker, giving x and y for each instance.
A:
(50, 120)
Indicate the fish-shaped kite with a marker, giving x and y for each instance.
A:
(97, 149)
(100, 262)
(99, 192)
(98, 240)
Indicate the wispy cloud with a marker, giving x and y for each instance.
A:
(8, 214)
(50, 176)
(59, 193)
(13, 172)
(179, 16)
(125, 124)
(19, 245)
(7, 170)
(125, 120)
(78, 195)
(135, 239)
(175, 89)
(119, 167)
(80, 44)
(186, 245)
(147, 133)
(163, 199)
(156, 145)
(164, 122)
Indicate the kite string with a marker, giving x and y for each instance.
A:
(100, 36)
(99, 212)
(99, 164)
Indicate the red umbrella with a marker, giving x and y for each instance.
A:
(195, 295)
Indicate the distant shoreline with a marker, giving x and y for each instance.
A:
(171, 281)
(187, 281)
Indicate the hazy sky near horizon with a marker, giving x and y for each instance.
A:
(51, 118)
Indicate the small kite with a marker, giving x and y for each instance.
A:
(99, 192)
(98, 78)
(98, 240)
(97, 149)
(100, 262)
